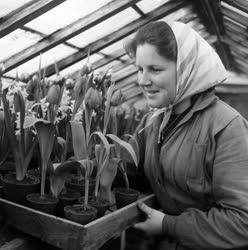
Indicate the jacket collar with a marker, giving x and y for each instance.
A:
(200, 102)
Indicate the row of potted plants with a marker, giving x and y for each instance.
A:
(74, 127)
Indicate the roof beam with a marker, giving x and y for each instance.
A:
(128, 29)
(24, 14)
(213, 20)
(68, 32)
(25, 28)
(138, 10)
(239, 4)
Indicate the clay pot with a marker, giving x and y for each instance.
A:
(46, 203)
(124, 197)
(67, 198)
(73, 183)
(16, 191)
(80, 214)
(101, 206)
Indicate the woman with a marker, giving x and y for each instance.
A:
(194, 147)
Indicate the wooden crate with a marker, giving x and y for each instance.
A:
(69, 235)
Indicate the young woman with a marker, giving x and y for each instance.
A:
(194, 147)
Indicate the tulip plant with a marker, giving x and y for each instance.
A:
(22, 140)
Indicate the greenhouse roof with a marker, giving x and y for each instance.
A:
(39, 33)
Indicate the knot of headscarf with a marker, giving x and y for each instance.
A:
(198, 69)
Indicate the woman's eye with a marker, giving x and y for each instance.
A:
(155, 70)
(140, 69)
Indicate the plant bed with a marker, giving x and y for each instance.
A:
(67, 234)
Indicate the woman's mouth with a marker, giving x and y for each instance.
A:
(150, 93)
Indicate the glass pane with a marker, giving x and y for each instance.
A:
(15, 42)
(8, 6)
(148, 5)
(104, 28)
(176, 15)
(77, 66)
(64, 14)
(49, 57)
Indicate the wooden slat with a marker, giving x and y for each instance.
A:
(239, 4)
(236, 31)
(233, 25)
(112, 224)
(213, 20)
(68, 235)
(68, 32)
(128, 80)
(234, 15)
(24, 14)
(122, 74)
(96, 46)
(236, 46)
(232, 89)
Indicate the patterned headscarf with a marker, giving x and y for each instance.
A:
(198, 68)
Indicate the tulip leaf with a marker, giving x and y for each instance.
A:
(125, 145)
(78, 140)
(45, 134)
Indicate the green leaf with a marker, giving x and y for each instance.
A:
(45, 133)
(58, 174)
(125, 145)
(79, 140)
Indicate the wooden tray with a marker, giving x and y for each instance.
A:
(69, 235)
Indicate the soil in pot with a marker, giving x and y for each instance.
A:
(16, 191)
(80, 214)
(67, 198)
(73, 183)
(46, 203)
(124, 197)
(100, 204)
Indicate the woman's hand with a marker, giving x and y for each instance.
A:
(154, 219)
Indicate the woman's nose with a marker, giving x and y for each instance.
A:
(144, 80)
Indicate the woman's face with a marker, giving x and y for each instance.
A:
(156, 75)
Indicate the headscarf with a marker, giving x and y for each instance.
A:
(198, 68)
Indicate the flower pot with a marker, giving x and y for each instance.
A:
(79, 214)
(124, 197)
(37, 173)
(46, 203)
(16, 191)
(65, 199)
(101, 206)
(73, 183)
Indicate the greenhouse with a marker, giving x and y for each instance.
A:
(123, 124)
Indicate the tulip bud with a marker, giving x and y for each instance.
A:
(80, 84)
(2, 69)
(24, 77)
(69, 83)
(19, 102)
(53, 95)
(117, 98)
(87, 69)
(1, 116)
(93, 98)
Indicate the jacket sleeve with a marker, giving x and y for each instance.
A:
(226, 225)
